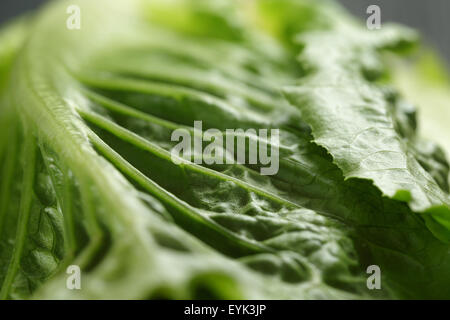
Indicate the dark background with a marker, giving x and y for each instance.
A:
(431, 17)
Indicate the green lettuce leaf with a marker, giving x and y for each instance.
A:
(87, 177)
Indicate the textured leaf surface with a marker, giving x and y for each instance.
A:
(87, 176)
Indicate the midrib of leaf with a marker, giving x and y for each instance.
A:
(44, 94)
(74, 158)
(24, 213)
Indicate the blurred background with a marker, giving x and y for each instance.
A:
(429, 16)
